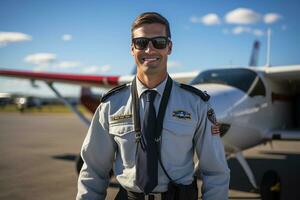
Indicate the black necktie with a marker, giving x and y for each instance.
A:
(147, 159)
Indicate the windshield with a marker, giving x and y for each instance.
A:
(242, 79)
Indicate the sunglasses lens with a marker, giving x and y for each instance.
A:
(160, 42)
(140, 43)
(157, 42)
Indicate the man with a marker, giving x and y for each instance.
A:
(150, 130)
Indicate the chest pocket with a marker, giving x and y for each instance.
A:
(124, 136)
(180, 127)
(177, 141)
(121, 129)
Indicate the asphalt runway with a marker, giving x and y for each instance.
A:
(38, 153)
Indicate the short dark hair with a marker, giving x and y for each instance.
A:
(150, 18)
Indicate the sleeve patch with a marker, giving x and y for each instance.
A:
(215, 128)
(211, 116)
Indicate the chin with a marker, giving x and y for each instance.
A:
(154, 70)
(150, 68)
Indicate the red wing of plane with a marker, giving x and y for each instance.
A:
(86, 80)
(89, 100)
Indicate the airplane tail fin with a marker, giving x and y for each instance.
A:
(89, 100)
(254, 55)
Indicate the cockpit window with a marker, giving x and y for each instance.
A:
(243, 79)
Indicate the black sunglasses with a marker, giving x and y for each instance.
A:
(141, 43)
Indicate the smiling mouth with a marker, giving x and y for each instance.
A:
(150, 59)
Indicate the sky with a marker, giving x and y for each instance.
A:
(93, 37)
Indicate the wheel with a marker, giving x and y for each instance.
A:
(79, 163)
(270, 187)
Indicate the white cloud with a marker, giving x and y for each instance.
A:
(271, 18)
(174, 63)
(11, 37)
(209, 19)
(67, 37)
(242, 16)
(96, 69)
(243, 29)
(68, 64)
(40, 58)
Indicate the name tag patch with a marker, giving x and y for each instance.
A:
(121, 117)
(181, 114)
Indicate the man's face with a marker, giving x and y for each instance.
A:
(151, 61)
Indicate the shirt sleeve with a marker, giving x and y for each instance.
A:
(98, 155)
(212, 162)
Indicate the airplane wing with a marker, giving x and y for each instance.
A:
(85, 80)
(291, 135)
(288, 73)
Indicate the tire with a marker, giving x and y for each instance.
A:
(270, 188)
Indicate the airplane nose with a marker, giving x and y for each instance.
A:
(223, 100)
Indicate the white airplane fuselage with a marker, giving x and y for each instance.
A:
(250, 116)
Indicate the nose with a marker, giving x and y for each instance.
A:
(149, 47)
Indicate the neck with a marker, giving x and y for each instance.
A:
(151, 81)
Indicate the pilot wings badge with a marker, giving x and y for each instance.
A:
(181, 114)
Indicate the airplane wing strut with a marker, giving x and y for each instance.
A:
(72, 107)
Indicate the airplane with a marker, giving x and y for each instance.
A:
(253, 105)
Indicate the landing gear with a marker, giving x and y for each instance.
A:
(270, 187)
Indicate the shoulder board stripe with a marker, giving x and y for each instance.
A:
(113, 91)
(204, 96)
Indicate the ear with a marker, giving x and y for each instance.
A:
(170, 45)
(132, 50)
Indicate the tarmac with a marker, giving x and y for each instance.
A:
(38, 153)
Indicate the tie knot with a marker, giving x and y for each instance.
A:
(150, 95)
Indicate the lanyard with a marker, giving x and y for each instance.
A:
(160, 116)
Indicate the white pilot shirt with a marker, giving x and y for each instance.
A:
(111, 140)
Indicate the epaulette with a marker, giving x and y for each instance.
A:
(113, 91)
(204, 96)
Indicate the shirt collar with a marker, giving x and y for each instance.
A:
(142, 88)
